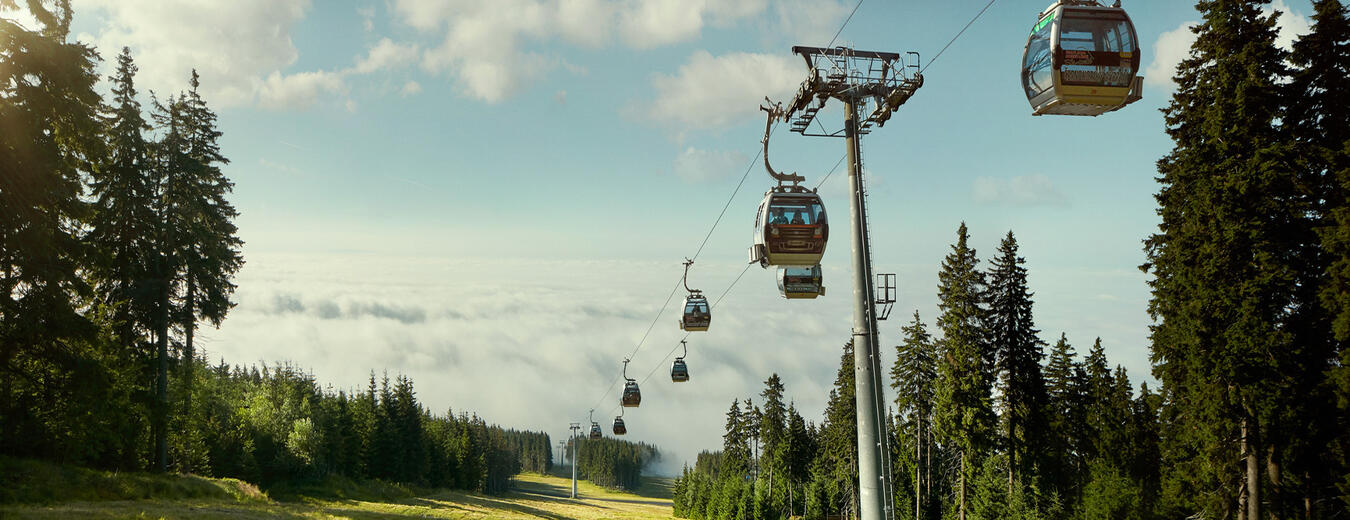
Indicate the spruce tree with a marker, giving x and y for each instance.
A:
(1012, 336)
(963, 412)
(1067, 423)
(1319, 119)
(913, 376)
(123, 222)
(49, 113)
(1223, 274)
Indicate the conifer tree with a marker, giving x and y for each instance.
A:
(913, 377)
(48, 110)
(963, 413)
(1012, 336)
(1319, 119)
(1221, 259)
(123, 222)
(1067, 422)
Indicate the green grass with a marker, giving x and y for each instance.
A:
(34, 482)
(43, 491)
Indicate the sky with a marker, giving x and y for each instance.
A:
(495, 198)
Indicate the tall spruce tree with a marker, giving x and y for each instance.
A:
(209, 242)
(964, 415)
(773, 429)
(1012, 336)
(1319, 119)
(1224, 278)
(1067, 421)
(49, 117)
(913, 376)
(123, 220)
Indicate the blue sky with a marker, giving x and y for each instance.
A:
(495, 197)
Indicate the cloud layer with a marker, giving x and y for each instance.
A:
(534, 344)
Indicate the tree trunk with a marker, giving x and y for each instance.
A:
(961, 512)
(189, 326)
(162, 382)
(1273, 475)
(1012, 450)
(918, 461)
(1253, 495)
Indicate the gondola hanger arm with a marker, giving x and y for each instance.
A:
(774, 111)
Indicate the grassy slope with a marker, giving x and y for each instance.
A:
(537, 496)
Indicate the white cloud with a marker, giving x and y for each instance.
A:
(297, 91)
(696, 165)
(1023, 190)
(1174, 46)
(491, 50)
(248, 40)
(411, 88)
(385, 54)
(1292, 24)
(717, 91)
(1168, 51)
(243, 58)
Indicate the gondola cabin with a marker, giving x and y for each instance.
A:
(796, 282)
(790, 228)
(697, 314)
(632, 397)
(595, 430)
(1081, 59)
(679, 372)
(619, 428)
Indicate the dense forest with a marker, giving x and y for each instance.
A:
(613, 463)
(1250, 282)
(117, 242)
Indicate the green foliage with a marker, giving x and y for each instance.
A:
(1018, 353)
(963, 414)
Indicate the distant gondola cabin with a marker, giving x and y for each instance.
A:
(619, 427)
(632, 397)
(679, 372)
(697, 314)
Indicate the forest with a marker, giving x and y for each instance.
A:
(117, 243)
(612, 463)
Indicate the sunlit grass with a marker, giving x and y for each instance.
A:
(538, 496)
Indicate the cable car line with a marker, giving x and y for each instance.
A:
(661, 363)
(772, 126)
(845, 24)
(958, 35)
(832, 170)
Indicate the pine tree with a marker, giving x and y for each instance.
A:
(1221, 260)
(1012, 335)
(963, 413)
(913, 377)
